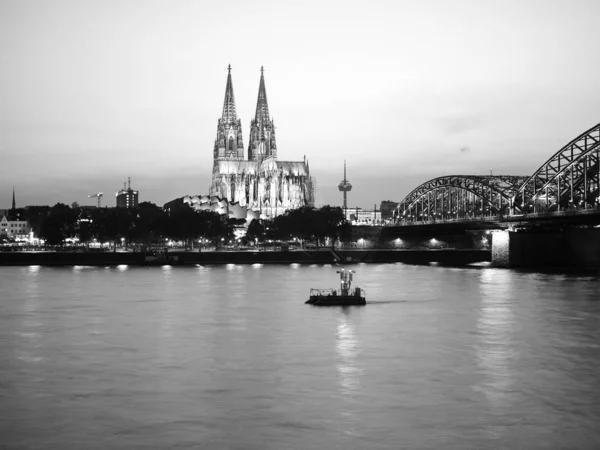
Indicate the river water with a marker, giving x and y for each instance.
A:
(230, 357)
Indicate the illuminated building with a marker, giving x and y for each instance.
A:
(261, 182)
(12, 224)
(127, 198)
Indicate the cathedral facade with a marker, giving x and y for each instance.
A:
(258, 182)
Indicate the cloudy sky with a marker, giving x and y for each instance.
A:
(93, 92)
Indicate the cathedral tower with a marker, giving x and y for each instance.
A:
(260, 183)
(229, 144)
(262, 129)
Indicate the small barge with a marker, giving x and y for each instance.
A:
(346, 296)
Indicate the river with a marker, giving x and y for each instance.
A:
(230, 357)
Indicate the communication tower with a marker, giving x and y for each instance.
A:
(345, 187)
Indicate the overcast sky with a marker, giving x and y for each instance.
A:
(92, 92)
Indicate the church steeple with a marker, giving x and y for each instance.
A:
(262, 129)
(229, 114)
(229, 143)
(262, 106)
(14, 203)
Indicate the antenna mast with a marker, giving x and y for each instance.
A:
(345, 187)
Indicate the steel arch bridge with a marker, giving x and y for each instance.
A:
(459, 197)
(568, 181)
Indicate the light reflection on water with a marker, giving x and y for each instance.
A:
(495, 349)
(231, 357)
(347, 349)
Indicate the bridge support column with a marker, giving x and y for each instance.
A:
(500, 248)
(572, 247)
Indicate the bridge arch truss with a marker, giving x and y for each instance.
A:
(459, 197)
(569, 180)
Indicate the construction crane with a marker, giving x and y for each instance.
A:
(99, 196)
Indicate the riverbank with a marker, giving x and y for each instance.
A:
(456, 257)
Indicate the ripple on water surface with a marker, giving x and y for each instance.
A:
(230, 357)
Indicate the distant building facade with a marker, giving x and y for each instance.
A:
(127, 198)
(12, 224)
(14, 227)
(387, 209)
(260, 183)
(359, 216)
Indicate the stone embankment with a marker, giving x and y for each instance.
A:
(455, 257)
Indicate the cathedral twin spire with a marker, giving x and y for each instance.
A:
(262, 106)
(262, 129)
(229, 115)
(229, 143)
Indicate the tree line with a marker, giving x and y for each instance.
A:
(319, 225)
(148, 225)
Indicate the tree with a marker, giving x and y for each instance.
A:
(213, 226)
(84, 227)
(298, 223)
(185, 224)
(35, 216)
(148, 223)
(332, 223)
(59, 224)
(257, 230)
(113, 224)
(310, 223)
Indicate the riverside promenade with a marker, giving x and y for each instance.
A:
(454, 257)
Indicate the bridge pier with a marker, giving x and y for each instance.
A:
(571, 247)
(500, 248)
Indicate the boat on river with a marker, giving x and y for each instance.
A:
(345, 296)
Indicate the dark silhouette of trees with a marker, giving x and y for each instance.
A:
(256, 230)
(148, 225)
(306, 223)
(59, 224)
(84, 228)
(113, 224)
(185, 224)
(35, 215)
(331, 223)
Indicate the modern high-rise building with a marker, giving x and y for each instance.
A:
(127, 197)
(259, 182)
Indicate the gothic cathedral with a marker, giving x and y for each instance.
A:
(260, 182)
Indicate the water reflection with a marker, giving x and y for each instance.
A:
(348, 373)
(30, 334)
(230, 358)
(495, 347)
(347, 349)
